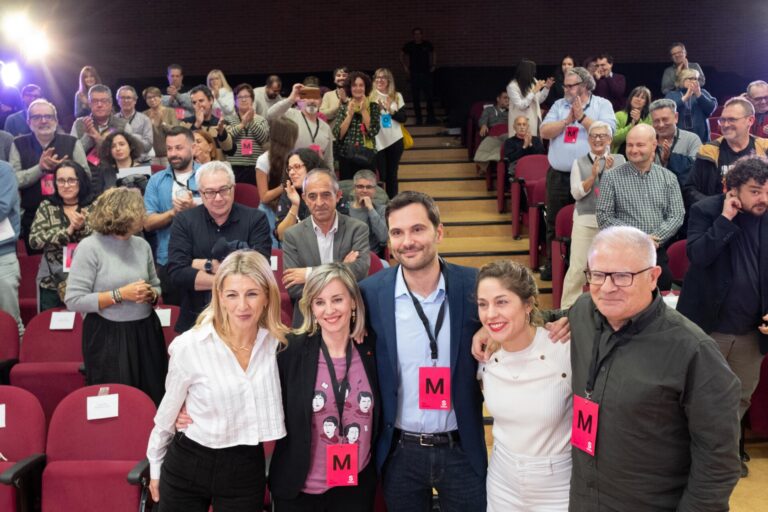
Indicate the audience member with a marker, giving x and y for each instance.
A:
(90, 130)
(10, 102)
(556, 91)
(694, 104)
(268, 95)
(113, 281)
(644, 195)
(223, 97)
(356, 126)
(140, 124)
(201, 237)
(526, 94)
(419, 61)
(204, 149)
(586, 173)
(590, 64)
(233, 403)
(61, 221)
(526, 372)
(291, 208)
(680, 62)
(10, 273)
(332, 100)
(670, 441)
(521, 144)
(88, 78)
(162, 118)
(493, 130)
(118, 151)
(321, 360)
(324, 237)
(566, 126)
(249, 132)
(676, 149)
(313, 132)
(35, 156)
(169, 192)
(16, 124)
(389, 140)
(757, 94)
(717, 157)
(609, 85)
(725, 292)
(203, 119)
(635, 111)
(176, 95)
(6, 141)
(365, 209)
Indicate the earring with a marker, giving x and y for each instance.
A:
(354, 315)
(527, 317)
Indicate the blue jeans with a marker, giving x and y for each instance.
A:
(412, 471)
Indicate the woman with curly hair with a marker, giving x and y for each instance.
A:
(118, 151)
(356, 126)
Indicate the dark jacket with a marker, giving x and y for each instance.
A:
(297, 365)
(710, 274)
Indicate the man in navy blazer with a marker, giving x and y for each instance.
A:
(726, 287)
(420, 449)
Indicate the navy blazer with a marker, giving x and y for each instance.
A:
(710, 273)
(379, 294)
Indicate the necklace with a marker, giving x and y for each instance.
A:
(247, 346)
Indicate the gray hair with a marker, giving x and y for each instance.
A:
(746, 105)
(663, 103)
(42, 101)
(126, 88)
(212, 168)
(600, 124)
(321, 172)
(364, 174)
(101, 88)
(583, 74)
(756, 83)
(628, 239)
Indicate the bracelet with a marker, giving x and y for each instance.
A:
(294, 215)
(117, 297)
(582, 117)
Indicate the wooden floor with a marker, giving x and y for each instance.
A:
(475, 234)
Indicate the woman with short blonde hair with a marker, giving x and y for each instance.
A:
(389, 140)
(223, 99)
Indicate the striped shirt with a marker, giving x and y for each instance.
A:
(649, 201)
(228, 405)
(257, 132)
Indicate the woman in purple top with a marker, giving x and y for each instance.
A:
(330, 398)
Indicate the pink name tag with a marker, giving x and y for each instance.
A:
(435, 388)
(46, 185)
(341, 465)
(247, 147)
(180, 113)
(571, 134)
(69, 252)
(217, 113)
(93, 157)
(584, 431)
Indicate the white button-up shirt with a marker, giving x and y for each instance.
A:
(324, 242)
(228, 405)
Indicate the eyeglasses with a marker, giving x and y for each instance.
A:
(66, 182)
(365, 187)
(599, 136)
(759, 99)
(126, 98)
(42, 117)
(728, 120)
(571, 86)
(223, 192)
(620, 279)
(244, 98)
(380, 78)
(100, 101)
(296, 167)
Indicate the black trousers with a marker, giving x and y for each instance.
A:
(558, 195)
(422, 82)
(359, 498)
(665, 279)
(388, 162)
(171, 294)
(194, 477)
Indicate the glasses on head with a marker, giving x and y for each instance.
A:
(728, 120)
(42, 117)
(620, 279)
(223, 192)
(599, 136)
(571, 86)
(100, 101)
(296, 167)
(66, 182)
(364, 187)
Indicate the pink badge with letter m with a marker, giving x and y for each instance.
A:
(584, 431)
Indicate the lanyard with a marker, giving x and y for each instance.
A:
(309, 130)
(425, 320)
(597, 361)
(183, 185)
(338, 387)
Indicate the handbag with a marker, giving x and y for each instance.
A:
(407, 138)
(363, 156)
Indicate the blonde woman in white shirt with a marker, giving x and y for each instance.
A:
(389, 140)
(527, 389)
(225, 370)
(223, 98)
(526, 94)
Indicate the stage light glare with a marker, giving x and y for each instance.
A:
(10, 74)
(15, 26)
(35, 45)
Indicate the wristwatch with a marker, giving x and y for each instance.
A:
(208, 267)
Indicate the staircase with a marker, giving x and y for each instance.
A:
(475, 233)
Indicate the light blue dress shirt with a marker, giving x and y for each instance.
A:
(413, 353)
(561, 154)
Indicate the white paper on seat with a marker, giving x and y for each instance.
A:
(165, 316)
(62, 321)
(2, 415)
(101, 407)
(130, 171)
(273, 263)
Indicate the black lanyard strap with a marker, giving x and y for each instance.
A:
(338, 387)
(309, 130)
(425, 320)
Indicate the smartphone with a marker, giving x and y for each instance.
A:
(309, 93)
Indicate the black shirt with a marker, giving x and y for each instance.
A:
(419, 56)
(728, 156)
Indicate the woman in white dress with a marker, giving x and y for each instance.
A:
(527, 388)
(526, 94)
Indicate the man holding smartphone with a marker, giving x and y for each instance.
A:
(726, 287)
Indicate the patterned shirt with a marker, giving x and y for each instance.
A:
(255, 133)
(355, 135)
(650, 201)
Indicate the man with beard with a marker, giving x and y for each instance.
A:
(268, 95)
(313, 132)
(203, 119)
(717, 157)
(332, 100)
(726, 287)
(169, 192)
(757, 94)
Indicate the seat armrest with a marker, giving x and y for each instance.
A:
(139, 475)
(16, 473)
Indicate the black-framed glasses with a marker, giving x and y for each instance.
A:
(62, 182)
(42, 117)
(223, 192)
(620, 279)
(571, 86)
(599, 136)
(729, 120)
